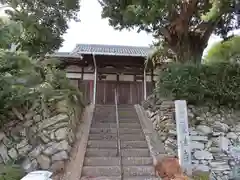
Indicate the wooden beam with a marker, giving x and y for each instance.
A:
(118, 70)
(82, 73)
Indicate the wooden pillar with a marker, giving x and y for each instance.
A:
(82, 73)
(152, 81)
(144, 84)
(95, 80)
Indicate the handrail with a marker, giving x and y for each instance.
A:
(118, 136)
(117, 121)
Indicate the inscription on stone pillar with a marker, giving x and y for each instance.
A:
(183, 138)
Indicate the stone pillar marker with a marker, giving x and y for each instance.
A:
(183, 138)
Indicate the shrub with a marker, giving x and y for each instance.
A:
(218, 84)
(11, 172)
(201, 175)
(30, 85)
(224, 51)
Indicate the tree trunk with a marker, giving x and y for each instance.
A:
(189, 49)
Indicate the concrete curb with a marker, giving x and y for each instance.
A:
(74, 168)
(155, 145)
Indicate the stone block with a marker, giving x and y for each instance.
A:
(44, 161)
(63, 155)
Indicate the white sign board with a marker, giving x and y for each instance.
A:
(38, 175)
(235, 152)
(183, 139)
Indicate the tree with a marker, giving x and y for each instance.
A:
(184, 26)
(224, 51)
(10, 31)
(43, 23)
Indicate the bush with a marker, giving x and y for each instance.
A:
(27, 84)
(11, 172)
(201, 175)
(224, 51)
(199, 84)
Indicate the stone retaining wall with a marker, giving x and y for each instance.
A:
(38, 143)
(213, 132)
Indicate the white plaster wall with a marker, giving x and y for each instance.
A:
(148, 78)
(73, 68)
(155, 78)
(126, 78)
(88, 69)
(111, 77)
(88, 77)
(74, 75)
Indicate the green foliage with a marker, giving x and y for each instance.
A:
(43, 23)
(151, 15)
(201, 84)
(184, 26)
(11, 172)
(10, 31)
(27, 84)
(225, 51)
(202, 176)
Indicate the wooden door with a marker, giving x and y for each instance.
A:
(105, 92)
(128, 92)
(137, 91)
(110, 92)
(100, 92)
(124, 93)
(85, 87)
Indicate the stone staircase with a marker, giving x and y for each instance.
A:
(101, 159)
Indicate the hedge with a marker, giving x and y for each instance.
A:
(11, 172)
(218, 84)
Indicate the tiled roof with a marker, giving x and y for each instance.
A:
(64, 55)
(117, 50)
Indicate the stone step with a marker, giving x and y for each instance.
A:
(127, 113)
(101, 171)
(130, 131)
(137, 161)
(115, 161)
(134, 144)
(114, 125)
(113, 144)
(103, 125)
(132, 137)
(101, 178)
(138, 171)
(103, 130)
(114, 130)
(135, 152)
(103, 152)
(141, 178)
(130, 110)
(130, 125)
(125, 120)
(102, 136)
(128, 117)
(101, 144)
(102, 161)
